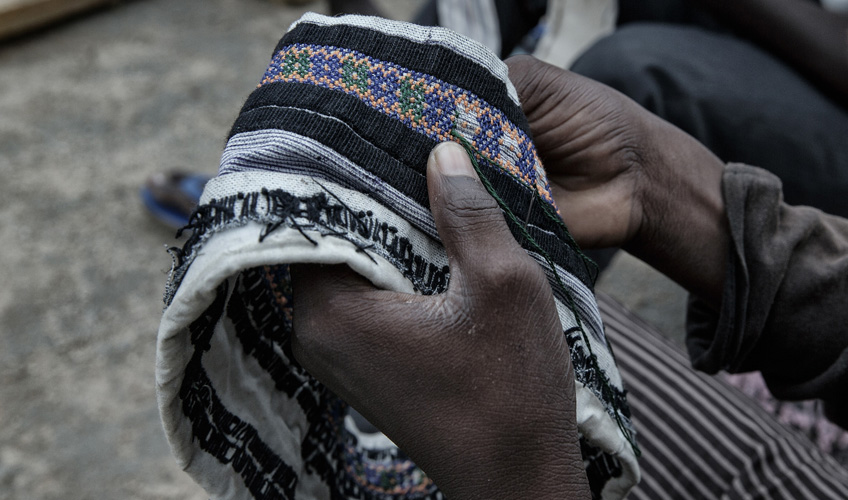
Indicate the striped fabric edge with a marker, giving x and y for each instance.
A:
(262, 151)
(700, 437)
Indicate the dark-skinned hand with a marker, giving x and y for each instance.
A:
(623, 177)
(592, 141)
(474, 384)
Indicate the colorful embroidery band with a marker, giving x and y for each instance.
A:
(422, 102)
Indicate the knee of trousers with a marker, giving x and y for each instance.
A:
(639, 60)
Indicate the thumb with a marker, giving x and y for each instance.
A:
(469, 221)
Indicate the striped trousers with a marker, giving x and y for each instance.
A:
(701, 438)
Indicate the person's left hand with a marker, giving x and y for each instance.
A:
(474, 384)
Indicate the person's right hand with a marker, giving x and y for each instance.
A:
(623, 177)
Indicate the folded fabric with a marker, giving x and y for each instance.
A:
(326, 164)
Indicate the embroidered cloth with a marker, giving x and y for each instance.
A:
(326, 164)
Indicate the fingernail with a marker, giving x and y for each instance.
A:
(452, 160)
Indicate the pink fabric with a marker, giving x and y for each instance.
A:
(805, 416)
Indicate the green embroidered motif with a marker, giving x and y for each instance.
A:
(355, 74)
(296, 62)
(410, 98)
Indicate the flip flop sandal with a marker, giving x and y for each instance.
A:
(171, 197)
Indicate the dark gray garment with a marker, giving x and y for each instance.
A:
(740, 101)
(784, 310)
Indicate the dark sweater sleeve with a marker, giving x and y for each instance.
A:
(784, 309)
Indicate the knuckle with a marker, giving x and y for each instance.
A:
(452, 313)
(512, 270)
(474, 209)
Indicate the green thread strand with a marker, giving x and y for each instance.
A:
(607, 390)
(548, 211)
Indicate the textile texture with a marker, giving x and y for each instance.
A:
(326, 164)
(701, 438)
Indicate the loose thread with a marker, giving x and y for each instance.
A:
(359, 248)
(607, 389)
(588, 263)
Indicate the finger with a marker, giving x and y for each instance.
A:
(344, 328)
(326, 303)
(469, 221)
(592, 220)
(315, 280)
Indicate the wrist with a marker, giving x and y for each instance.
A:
(510, 452)
(683, 231)
(535, 469)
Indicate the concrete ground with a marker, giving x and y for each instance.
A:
(88, 110)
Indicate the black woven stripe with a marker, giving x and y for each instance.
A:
(258, 325)
(391, 151)
(436, 60)
(257, 322)
(584, 369)
(550, 236)
(220, 433)
(232, 441)
(350, 140)
(405, 146)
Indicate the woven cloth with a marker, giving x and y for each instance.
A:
(326, 164)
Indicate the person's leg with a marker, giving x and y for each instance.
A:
(741, 102)
(364, 7)
(700, 437)
(666, 11)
